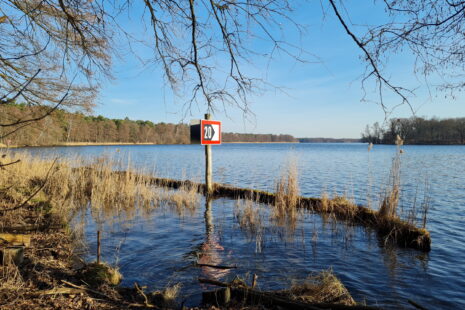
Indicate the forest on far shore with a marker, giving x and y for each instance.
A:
(67, 127)
(417, 130)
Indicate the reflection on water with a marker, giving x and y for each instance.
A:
(211, 250)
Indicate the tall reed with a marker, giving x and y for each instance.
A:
(287, 200)
(390, 197)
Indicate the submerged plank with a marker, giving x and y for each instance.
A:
(389, 228)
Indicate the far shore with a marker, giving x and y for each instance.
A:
(115, 144)
(76, 144)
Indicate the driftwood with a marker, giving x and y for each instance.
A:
(195, 264)
(60, 291)
(267, 299)
(84, 288)
(214, 266)
(213, 282)
(141, 292)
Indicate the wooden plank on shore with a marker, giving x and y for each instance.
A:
(16, 239)
(61, 291)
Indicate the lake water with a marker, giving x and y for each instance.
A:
(156, 249)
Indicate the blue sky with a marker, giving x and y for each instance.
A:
(321, 98)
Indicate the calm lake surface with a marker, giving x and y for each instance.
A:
(156, 249)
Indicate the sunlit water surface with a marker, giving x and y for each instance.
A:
(156, 249)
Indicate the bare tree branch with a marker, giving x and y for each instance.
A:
(24, 203)
(382, 81)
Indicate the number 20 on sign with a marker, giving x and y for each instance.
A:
(210, 132)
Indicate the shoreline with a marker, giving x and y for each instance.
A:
(73, 144)
(122, 144)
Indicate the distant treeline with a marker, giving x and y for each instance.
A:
(417, 130)
(249, 137)
(328, 140)
(66, 127)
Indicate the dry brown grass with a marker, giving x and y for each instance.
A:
(249, 217)
(390, 196)
(251, 220)
(287, 200)
(338, 204)
(167, 298)
(97, 274)
(108, 186)
(323, 287)
(185, 198)
(54, 191)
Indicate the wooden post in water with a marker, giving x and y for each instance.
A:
(98, 246)
(254, 280)
(208, 165)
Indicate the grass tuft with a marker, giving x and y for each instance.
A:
(287, 198)
(323, 287)
(97, 274)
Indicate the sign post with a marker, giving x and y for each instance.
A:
(208, 133)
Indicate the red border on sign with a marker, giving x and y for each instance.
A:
(202, 133)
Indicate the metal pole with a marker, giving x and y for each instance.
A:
(208, 165)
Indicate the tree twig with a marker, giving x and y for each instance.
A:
(24, 203)
(140, 291)
(8, 164)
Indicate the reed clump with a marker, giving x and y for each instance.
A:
(390, 197)
(339, 205)
(287, 197)
(166, 298)
(389, 220)
(249, 217)
(97, 274)
(113, 188)
(61, 187)
(323, 287)
(186, 197)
